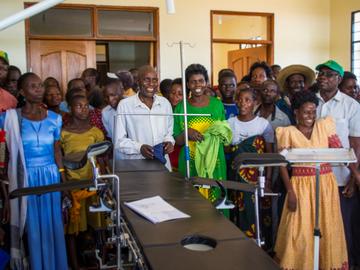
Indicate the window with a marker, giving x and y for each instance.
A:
(355, 43)
(131, 23)
(239, 27)
(95, 22)
(55, 22)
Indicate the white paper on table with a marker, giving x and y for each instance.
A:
(156, 209)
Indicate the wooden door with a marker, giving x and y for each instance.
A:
(61, 59)
(241, 60)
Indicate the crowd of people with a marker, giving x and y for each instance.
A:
(268, 110)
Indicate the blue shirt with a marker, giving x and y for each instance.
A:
(231, 110)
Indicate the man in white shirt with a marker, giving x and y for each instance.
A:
(136, 135)
(346, 113)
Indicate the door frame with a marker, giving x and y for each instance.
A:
(269, 42)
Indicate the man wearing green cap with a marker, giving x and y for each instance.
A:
(346, 113)
(7, 101)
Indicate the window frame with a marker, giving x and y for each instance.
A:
(125, 37)
(270, 34)
(94, 22)
(353, 42)
(154, 39)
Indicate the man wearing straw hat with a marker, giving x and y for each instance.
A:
(295, 78)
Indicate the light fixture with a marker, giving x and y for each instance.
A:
(170, 6)
(219, 19)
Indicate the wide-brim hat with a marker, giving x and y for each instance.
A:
(286, 72)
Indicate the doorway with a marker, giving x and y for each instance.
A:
(122, 55)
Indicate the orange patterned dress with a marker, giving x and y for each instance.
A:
(294, 246)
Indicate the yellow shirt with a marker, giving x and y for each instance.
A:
(78, 142)
(79, 216)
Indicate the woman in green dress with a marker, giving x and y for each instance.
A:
(199, 103)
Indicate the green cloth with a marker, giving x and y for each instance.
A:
(201, 124)
(206, 151)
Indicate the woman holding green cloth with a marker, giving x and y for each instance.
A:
(207, 135)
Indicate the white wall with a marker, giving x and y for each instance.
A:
(301, 29)
(340, 38)
(12, 40)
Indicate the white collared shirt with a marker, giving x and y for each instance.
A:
(280, 120)
(346, 113)
(132, 131)
(107, 116)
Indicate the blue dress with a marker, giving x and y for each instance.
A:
(44, 224)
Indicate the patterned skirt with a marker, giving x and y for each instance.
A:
(243, 215)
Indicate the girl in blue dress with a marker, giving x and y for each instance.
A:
(40, 133)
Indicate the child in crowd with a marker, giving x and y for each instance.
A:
(113, 93)
(52, 99)
(74, 83)
(175, 97)
(68, 96)
(176, 92)
(349, 85)
(165, 86)
(91, 78)
(96, 100)
(13, 76)
(51, 81)
(95, 118)
(227, 87)
(76, 136)
(242, 85)
(250, 134)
